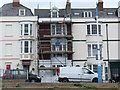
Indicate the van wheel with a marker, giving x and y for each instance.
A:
(95, 80)
(65, 80)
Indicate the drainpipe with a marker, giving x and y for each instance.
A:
(108, 52)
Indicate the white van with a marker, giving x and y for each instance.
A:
(75, 74)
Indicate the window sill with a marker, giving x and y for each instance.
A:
(26, 53)
(26, 36)
(94, 35)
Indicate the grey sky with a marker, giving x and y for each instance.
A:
(61, 3)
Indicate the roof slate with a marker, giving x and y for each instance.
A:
(9, 10)
(45, 13)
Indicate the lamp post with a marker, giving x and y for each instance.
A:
(98, 48)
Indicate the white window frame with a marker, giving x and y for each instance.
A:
(61, 31)
(88, 14)
(22, 46)
(59, 45)
(57, 11)
(22, 32)
(20, 12)
(92, 49)
(91, 28)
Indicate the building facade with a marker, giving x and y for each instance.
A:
(56, 38)
(55, 42)
(18, 37)
(85, 39)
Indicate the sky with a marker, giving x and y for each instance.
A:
(45, 4)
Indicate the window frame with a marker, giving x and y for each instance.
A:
(92, 49)
(62, 32)
(62, 44)
(91, 33)
(30, 30)
(87, 13)
(20, 12)
(55, 11)
(22, 47)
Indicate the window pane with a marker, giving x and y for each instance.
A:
(100, 51)
(85, 14)
(26, 47)
(64, 47)
(31, 27)
(53, 29)
(26, 29)
(100, 29)
(94, 49)
(88, 29)
(89, 14)
(60, 48)
(53, 47)
(22, 12)
(30, 46)
(89, 50)
(64, 29)
(54, 14)
(21, 29)
(58, 29)
(21, 46)
(94, 29)
(95, 68)
(82, 14)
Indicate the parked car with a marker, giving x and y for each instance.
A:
(77, 74)
(20, 74)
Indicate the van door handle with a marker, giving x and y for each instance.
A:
(79, 74)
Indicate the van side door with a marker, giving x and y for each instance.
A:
(87, 75)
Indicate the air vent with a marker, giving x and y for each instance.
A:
(76, 14)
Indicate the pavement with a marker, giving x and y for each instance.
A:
(21, 85)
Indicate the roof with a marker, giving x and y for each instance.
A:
(107, 12)
(9, 10)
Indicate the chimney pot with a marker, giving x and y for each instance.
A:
(100, 5)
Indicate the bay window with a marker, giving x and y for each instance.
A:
(92, 50)
(26, 29)
(26, 46)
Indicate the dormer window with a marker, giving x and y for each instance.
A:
(87, 14)
(54, 12)
(21, 12)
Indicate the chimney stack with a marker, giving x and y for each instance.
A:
(16, 3)
(100, 5)
(68, 8)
